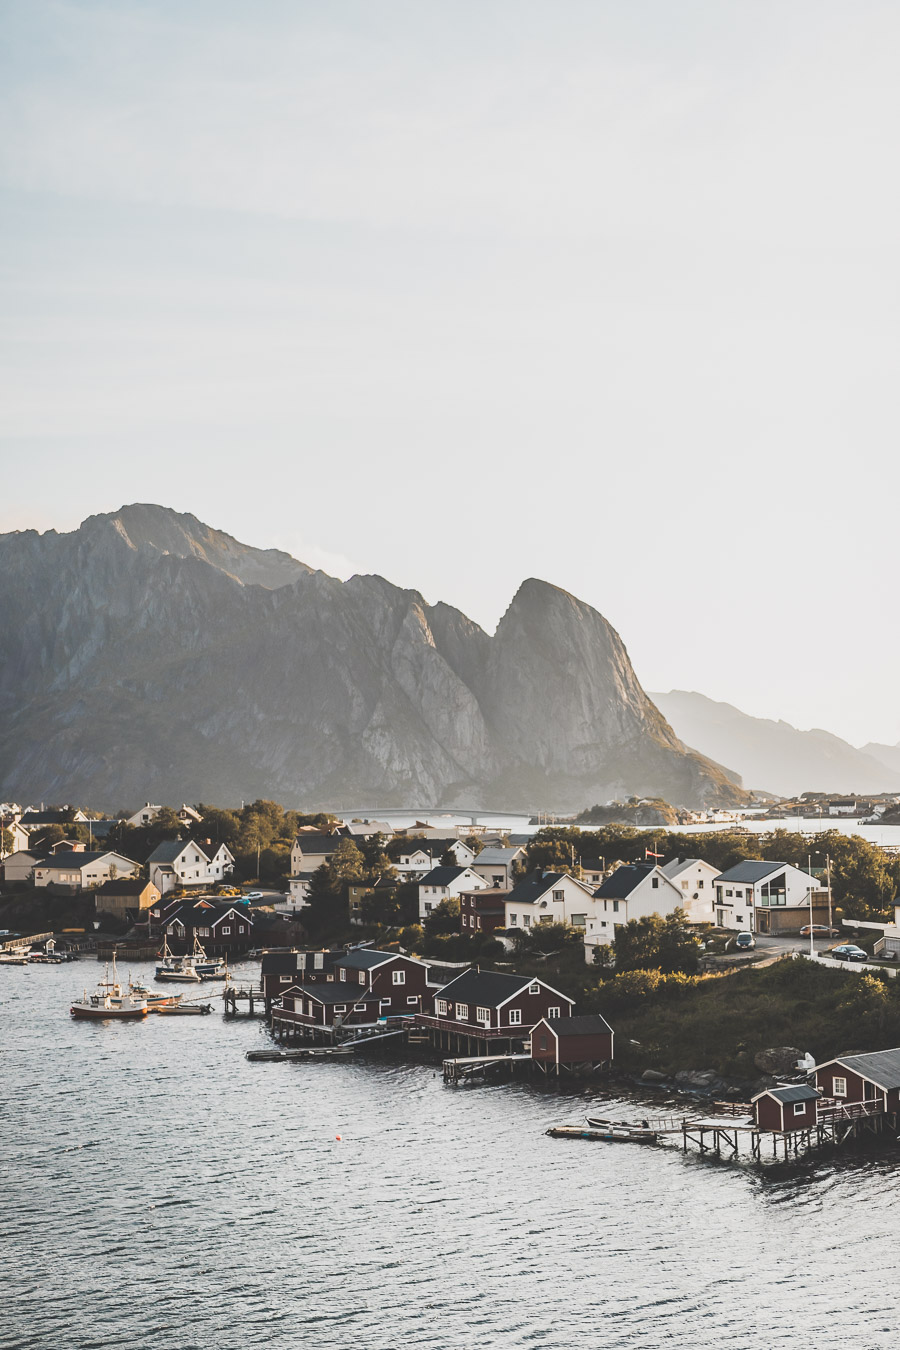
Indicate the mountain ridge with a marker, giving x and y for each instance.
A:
(147, 655)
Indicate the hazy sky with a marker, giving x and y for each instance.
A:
(605, 293)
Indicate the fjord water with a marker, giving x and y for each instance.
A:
(160, 1191)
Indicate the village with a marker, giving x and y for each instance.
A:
(492, 1015)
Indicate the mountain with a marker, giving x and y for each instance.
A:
(774, 756)
(888, 755)
(147, 656)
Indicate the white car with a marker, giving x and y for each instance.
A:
(254, 895)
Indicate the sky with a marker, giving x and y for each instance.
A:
(463, 293)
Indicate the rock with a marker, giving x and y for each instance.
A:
(295, 686)
(778, 1060)
(696, 1078)
(653, 1076)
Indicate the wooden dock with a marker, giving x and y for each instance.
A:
(465, 1070)
(250, 994)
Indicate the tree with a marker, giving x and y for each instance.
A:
(7, 843)
(474, 842)
(113, 871)
(443, 919)
(655, 943)
(346, 864)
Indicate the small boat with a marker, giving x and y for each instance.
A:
(613, 1134)
(155, 1002)
(109, 1003)
(184, 1009)
(208, 968)
(15, 956)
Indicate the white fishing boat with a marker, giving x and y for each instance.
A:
(176, 969)
(208, 968)
(15, 956)
(155, 1002)
(110, 1002)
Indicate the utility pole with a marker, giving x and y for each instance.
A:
(828, 873)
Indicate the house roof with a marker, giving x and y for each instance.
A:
(591, 864)
(490, 857)
(588, 1024)
(679, 865)
(623, 881)
(205, 913)
(794, 1092)
(170, 849)
(125, 886)
(364, 958)
(73, 858)
(442, 876)
(882, 1067)
(487, 988)
(279, 963)
(48, 818)
(321, 841)
(530, 889)
(750, 871)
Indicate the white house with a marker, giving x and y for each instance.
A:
(634, 891)
(445, 883)
(19, 836)
(176, 862)
(423, 855)
(77, 868)
(548, 897)
(696, 881)
(149, 811)
(767, 897)
(312, 849)
(496, 865)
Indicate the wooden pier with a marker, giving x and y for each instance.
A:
(479, 1066)
(250, 994)
(834, 1126)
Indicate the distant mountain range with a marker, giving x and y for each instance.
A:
(774, 756)
(146, 656)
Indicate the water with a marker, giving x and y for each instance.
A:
(159, 1191)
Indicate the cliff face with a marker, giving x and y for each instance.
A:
(148, 656)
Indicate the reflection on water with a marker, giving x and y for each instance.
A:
(161, 1191)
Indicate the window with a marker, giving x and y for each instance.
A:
(284, 979)
(483, 1015)
(515, 1017)
(428, 907)
(384, 1003)
(513, 920)
(684, 885)
(579, 920)
(699, 885)
(559, 895)
(240, 928)
(440, 1007)
(543, 1043)
(553, 1012)
(412, 998)
(655, 883)
(399, 977)
(343, 973)
(526, 920)
(226, 930)
(799, 1108)
(462, 1012)
(728, 895)
(534, 988)
(840, 1087)
(338, 1007)
(615, 907)
(362, 977)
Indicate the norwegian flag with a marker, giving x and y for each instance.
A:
(648, 853)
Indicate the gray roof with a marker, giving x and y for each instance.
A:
(337, 993)
(441, 876)
(484, 988)
(170, 849)
(491, 856)
(882, 1067)
(74, 858)
(318, 841)
(364, 958)
(796, 1092)
(677, 865)
(530, 889)
(588, 1024)
(623, 881)
(750, 871)
(279, 963)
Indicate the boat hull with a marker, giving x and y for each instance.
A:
(108, 1014)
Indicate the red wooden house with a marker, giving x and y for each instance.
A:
(490, 1007)
(568, 1043)
(327, 1006)
(872, 1080)
(220, 927)
(482, 911)
(358, 987)
(281, 969)
(785, 1109)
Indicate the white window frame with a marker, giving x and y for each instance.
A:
(226, 930)
(440, 1007)
(462, 1012)
(343, 973)
(534, 988)
(412, 998)
(799, 1108)
(399, 977)
(483, 1016)
(515, 1017)
(839, 1087)
(554, 1012)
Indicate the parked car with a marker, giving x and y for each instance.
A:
(253, 895)
(819, 930)
(745, 942)
(847, 952)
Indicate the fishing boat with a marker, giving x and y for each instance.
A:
(110, 1002)
(175, 969)
(155, 1002)
(208, 968)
